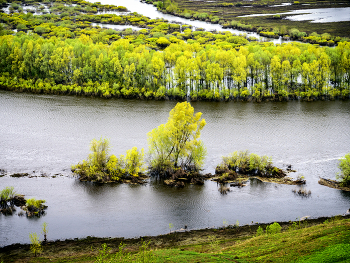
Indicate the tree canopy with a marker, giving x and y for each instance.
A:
(176, 144)
(344, 166)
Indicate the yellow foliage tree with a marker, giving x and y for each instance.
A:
(134, 161)
(101, 167)
(176, 143)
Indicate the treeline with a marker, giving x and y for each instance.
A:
(122, 69)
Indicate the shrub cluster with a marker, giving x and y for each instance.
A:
(245, 163)
(344, 166)
(7, 197)
(102, 167)
(35, 207)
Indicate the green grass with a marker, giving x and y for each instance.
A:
(334, 253)
(300, 242)
(326, 241)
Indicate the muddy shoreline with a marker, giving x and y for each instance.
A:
(250, 98)
(333, 184)
(180, 238)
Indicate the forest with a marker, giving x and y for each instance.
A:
(61, 53)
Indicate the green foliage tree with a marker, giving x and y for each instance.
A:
(6, 196)
(273, 228)
(259, 231)
(344, 166)
(35, 244)
(35, 207)
(134, 161)
(176, 144)
(44, 231)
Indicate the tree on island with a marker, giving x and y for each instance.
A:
(344, 166)
(175, 145)
(101, 167)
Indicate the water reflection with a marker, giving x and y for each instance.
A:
(345, 195)
(257, 185)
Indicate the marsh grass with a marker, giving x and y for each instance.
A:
(233, 11)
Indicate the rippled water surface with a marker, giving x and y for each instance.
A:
(47, 134)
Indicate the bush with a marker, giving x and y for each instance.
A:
(247, 163)
(259, 231)
(163, 42)
(7, 193)
(21, 27)
(35, 244)
(273, 228)
(134, 162)
(6, 197)
(344, 166)
(101, 167)
(35, 207)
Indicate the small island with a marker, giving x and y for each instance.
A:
(241, 165)
(9, 200)
(343, 176)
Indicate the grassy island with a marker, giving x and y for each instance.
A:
(241, 165)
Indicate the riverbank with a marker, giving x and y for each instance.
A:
(297, 240)
(333, 184)
(21, 86)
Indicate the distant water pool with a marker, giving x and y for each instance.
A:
(321, 15)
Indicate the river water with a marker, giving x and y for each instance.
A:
(47, 133)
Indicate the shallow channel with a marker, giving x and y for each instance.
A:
(46, 134)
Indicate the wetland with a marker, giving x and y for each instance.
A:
(44, 134)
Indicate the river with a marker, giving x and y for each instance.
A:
(47, 133)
